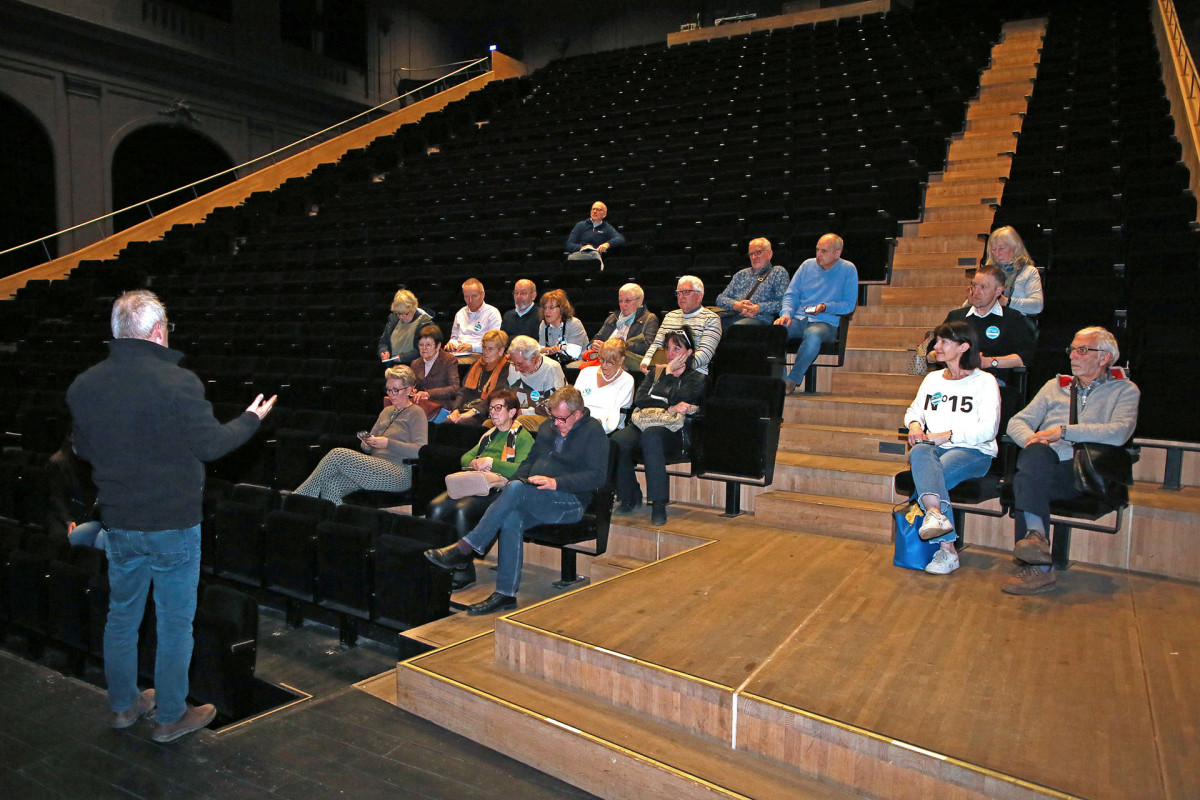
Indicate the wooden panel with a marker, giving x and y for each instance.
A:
(1065, 706)
(1165, 542)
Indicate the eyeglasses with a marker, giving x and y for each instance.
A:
(563, 420)
(754, 253)
(687, 291)
(397, 391)
(497, 407)
(1082, 351)
(170, 326)
(549, 308)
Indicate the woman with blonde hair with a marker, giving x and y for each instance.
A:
(607, 388)
(399, 340)
(1023, 283)
(398, 434)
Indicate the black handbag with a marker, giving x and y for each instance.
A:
(1103, 471)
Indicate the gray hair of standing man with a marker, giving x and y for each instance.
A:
(134, 314)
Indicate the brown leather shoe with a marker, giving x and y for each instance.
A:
(1033, 549)
(143, 706)
(1030, 579)
(193, 719)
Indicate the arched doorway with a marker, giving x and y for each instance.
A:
(157, 158)
(27, 169)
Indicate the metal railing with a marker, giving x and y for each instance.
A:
(461, 75)
(1179, 45)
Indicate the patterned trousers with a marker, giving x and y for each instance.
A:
(343, 471)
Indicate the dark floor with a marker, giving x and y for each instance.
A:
(55, 739)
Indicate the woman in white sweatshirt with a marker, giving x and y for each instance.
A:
(952, 425)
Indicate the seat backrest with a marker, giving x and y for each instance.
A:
(303, 505)
(766, 393)
(375, 520)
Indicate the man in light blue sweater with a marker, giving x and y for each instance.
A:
(822, 291)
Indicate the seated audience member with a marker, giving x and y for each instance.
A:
(71, 508)
(607, 388)
(663, 399)
(499, 451)
(593, 237)
(952, 426)
(471, 322)
(822, 291)
(631, 323)
(1006, 339)
(486, 375)
(755, 295)
(1107, 411)
(522, 319)
(399, 433)
(534, 378)
(399, 334)
(1022, 281)
(566, 466)
(437, 376)
(705, 325)
(560, 334)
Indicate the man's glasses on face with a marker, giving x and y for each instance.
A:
(686, 291)
(1083, 351)
(563, 420)
(756, 253)
(497, 407)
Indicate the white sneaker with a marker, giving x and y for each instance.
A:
(935, 525)
(944, 562)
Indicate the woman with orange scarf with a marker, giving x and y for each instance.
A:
(486, 375)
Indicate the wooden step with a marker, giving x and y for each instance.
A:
(1014, 104)
(858, 412)
(883, 335)
(838, 440)
(610, 566)
(833, 516)
(953, 275)
(939, 243)
(980, 147)
(960, 189)
(946, 296)
(875, 384)
(925, 317)
(970, 257)
(977, 199)
(584, 739)
(967, 211)
(1001, 123)
(993, 77)
(969, 228)
(893, 358)
(837, 476)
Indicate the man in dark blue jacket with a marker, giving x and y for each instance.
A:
(594, 235)
(555, 484)
(143, 423)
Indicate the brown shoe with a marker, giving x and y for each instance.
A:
(143, 706)
(1030, 580)
(1033, 549)
(193, 719)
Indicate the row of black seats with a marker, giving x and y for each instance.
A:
(55, 595)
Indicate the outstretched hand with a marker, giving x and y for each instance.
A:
(260, 409)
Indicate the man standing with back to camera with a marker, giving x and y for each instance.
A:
(143, 423)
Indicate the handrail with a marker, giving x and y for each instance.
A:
(1179, 45)
(1182, 82)
(1173, 467)
(462, 72)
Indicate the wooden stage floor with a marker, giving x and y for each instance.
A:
(1091, 691)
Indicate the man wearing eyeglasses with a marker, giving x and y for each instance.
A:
(689, 294)
(143, 423)
(823, 290)
(1106, 404)
(755, 294)
(555, 484)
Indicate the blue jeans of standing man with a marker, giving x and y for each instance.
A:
(813, 334)
(936, 470)
(521, 505)
(171, 561)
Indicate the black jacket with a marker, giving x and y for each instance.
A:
(580, 468)
(143, 423)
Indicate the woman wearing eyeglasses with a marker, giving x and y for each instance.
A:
(501, 450)
(665, 397)
(952, 425)
(607, 389)
(398, 434)
(561, 335)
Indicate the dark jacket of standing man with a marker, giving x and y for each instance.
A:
(143, 423)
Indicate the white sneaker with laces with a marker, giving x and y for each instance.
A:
(935, 525)
(944, 562)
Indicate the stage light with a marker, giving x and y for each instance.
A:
(491, 47)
